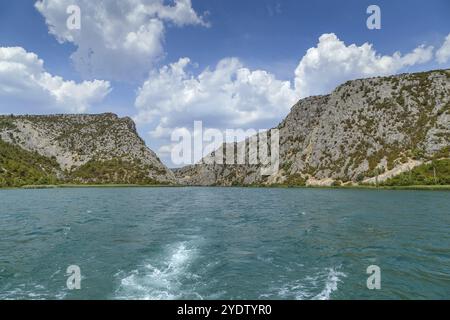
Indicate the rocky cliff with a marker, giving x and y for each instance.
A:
(365, 131)
(76, 149)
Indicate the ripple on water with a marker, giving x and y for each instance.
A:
(319, 286)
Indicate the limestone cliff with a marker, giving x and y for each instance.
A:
(364, 130)
(84, 148)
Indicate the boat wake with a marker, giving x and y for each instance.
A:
(331, 284)
(167, 278)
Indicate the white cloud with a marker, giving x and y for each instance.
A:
(332, 62)
(24, 81)
(230, 95)
(443, 54)
(118, 39)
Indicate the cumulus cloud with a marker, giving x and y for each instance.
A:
(332, 62)
(118, 39)
(227, 96)
(443, 54)
(24, 82)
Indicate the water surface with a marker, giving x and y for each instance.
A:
(224, 243)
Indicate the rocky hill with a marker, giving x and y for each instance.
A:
(365, 131)
(76, 149)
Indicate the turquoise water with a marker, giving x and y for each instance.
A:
(219, 243)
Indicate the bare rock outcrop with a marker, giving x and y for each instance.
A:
(363, 129)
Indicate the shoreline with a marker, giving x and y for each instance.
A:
(354, 187)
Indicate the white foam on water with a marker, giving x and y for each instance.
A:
(326, 282)
(297, 289)
(162, 282)
(331, 284)
(31, 292)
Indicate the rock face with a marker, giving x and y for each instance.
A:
(362, 130)
(88, 148)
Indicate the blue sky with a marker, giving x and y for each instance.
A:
(261, 35)
(253, 30)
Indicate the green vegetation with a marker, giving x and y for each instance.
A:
(22, 168)
(295, 180)
(19, 167)
(108, 185)
(113, 171)
(435, 173)
(351, 186)
(7, 122)
(443, 153)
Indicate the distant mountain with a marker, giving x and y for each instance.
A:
(365, 131)
(83, 149)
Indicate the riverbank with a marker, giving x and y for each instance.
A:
(68, 186)
(364, 187)
(361, 187)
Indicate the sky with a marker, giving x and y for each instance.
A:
(231, 64)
